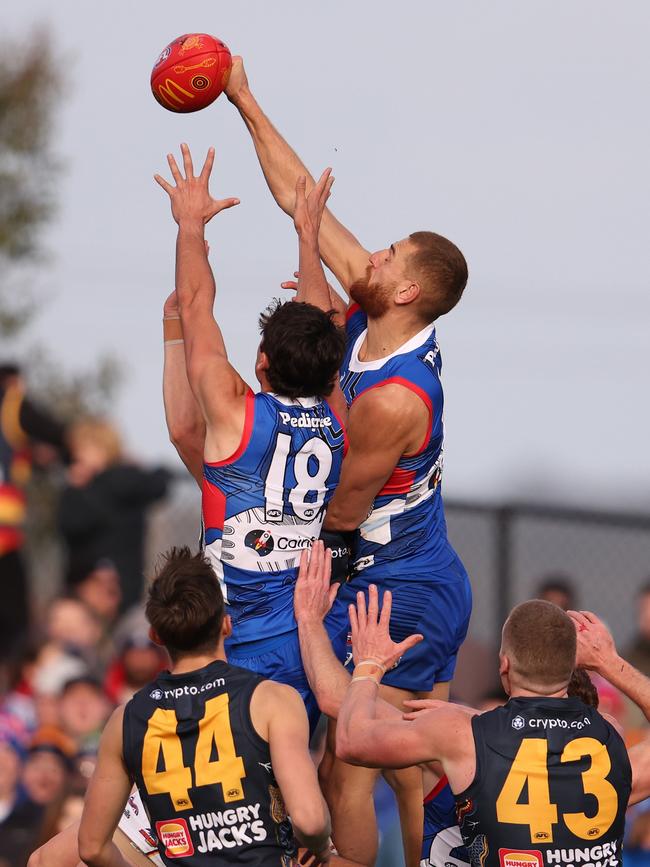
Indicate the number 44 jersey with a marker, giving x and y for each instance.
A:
(265, 504)
(203, 772)
(551, 788)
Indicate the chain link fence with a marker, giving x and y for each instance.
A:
(507, 550)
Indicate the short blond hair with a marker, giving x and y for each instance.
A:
(539, 639)
(99, 432)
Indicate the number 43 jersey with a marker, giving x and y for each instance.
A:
(552, 784)
(265, 504)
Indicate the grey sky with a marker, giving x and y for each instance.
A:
(518, 129)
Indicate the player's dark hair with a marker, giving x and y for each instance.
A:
(304, 347)
(184, 604)
(581, 687)
(441, 269)
(540, 640)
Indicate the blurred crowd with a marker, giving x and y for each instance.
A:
(67, 661)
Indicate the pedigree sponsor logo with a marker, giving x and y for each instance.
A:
(305, 420)
(520, 858)
(175, 837)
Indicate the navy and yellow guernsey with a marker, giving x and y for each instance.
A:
(203, 772)
(551, 788)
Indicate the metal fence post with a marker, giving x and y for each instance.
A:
(504, 517)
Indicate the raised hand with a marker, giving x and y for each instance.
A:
(190, 198)
(417, 706)
(238, 82)
(309, 209)
(313, 596)
(596, 648)
(336, 302)
(370, 631)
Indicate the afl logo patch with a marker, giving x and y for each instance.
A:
(261, 541)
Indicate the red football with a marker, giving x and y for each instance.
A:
(191, 72)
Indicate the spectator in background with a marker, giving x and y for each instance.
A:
(558, 589)
(47, 771)
(22, 425)
(637, 846)
(20, 817)
(102, 510)
(638, 652)
(84, 708)
(139, 662)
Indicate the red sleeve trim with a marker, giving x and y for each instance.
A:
(246, 435)
(343, 428)
(421, 393)
(440, 785)
(352, 309)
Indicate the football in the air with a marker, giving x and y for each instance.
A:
(191, 72)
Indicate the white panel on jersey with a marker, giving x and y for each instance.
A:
(359, 366)
(251, 543)
(441, 846)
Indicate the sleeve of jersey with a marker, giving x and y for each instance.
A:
(355, 321)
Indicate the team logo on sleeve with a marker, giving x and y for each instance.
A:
(261, 541)
(175, 837)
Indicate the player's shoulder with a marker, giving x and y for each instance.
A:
(279, 695)
(391, 401)
(273, 703)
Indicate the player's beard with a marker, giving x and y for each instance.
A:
(373, 300)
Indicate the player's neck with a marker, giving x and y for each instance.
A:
(192, 663)
(386, 335)
(520, 692)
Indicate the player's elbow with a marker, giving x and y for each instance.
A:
(311, 819)
(90, 848)
(348, 747)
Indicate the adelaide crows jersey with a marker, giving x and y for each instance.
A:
(405, 533)
(203, 772)
(265, 504)
(551, 788)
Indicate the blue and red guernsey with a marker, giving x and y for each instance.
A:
(265, 504)
(405, 534)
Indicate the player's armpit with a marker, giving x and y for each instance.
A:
(383, 424)
(107, 794)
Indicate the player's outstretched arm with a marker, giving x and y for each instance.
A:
(216, 385)
(279, 711)
(185, 422)
(106, 798)
(597, 652)
(312, 283)
(362, 736)
(282, 167)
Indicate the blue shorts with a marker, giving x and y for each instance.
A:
(278, 659)
(437, 605)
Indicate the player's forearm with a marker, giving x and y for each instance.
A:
(629, 680)
(312, 827)
(280, 164)
(348, 509)
(327, 677)
(194, 278)
(312, 283)
(358, 712)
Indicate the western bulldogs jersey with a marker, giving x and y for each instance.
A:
(203, 772)
(551, 788)
(442, 842)
(265, 504)
(405, 533)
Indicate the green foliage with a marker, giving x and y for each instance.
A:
(29, 88)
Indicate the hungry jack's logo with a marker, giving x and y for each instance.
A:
(175, 837)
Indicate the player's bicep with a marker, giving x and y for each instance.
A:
(640, 760)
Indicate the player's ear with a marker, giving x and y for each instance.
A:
(153, 635)
(226, 627)
(262, 360)
(407, 292)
